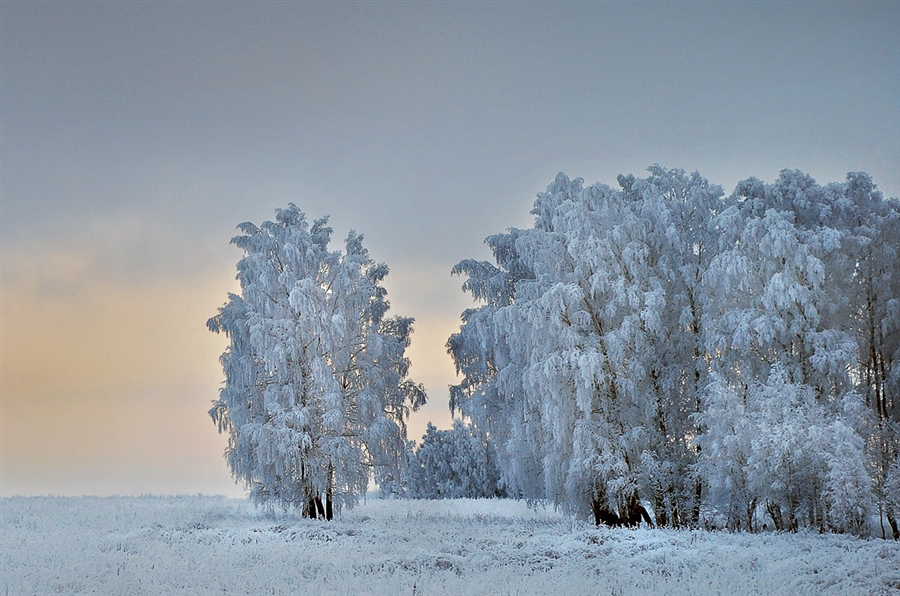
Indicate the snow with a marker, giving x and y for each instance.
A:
(206, 545)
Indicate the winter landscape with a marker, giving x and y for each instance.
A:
(721, 361)
(480, 328)
(212, 545)
(686, 392)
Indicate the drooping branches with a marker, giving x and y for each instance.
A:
(663, 344)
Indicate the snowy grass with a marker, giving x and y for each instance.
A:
(214, 545)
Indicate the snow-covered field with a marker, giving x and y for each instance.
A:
(214, 545)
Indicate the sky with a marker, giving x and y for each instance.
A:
(135, 136)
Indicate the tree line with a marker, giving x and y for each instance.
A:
(728, 361)
(655, 352)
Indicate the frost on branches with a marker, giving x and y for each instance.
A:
(316, 392)
(719, 361)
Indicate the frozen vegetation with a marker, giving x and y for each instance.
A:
(206, 545)
(316, 392)
(719, 361)
(728, 360)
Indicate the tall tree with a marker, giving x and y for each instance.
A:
(569, 349)
(680, 210)
(316, 392)
(872, 251)
(779, 345)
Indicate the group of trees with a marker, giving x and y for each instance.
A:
(451, 464)
(658, 347)
(726, 361)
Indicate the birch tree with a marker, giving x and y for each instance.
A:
(316, 392)
(570, 346)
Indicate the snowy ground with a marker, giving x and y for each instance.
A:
(213, 545)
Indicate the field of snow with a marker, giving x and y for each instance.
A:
(214, 545)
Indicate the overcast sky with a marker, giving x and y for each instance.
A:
(136, 136)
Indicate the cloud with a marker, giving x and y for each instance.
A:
(104, 375)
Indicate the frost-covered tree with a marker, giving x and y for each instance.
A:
(871, 282)
(316, 392)
(567, 363)
(679, 211)
(891, 488)
(452, 464)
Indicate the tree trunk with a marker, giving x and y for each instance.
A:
(320, 509)
(309, 510)
(602, 513)
(792, 515)
(634, 512)
(751, 508)
(660, 508)
(775, 513)
(329, 506)
(893, 521)
(676, 513)
(329, 493)
(698, 494)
